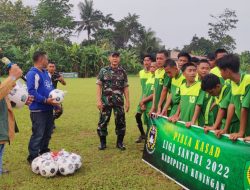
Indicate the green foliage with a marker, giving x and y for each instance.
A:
(53, 19)
(201, 46)
(245, 61)
(91, 19)
(218, 31)
(218, 35)
(16, 28)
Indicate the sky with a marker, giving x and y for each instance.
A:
(175, 22)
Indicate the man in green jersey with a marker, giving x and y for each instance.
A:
(191, 97)
(146, 102)
(203, 69)
(183, 58)
(229, 66)
(144, 75)
(222, 93)
(219, 53)
(177, 79)
(161, 57)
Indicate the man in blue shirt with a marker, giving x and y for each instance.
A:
(41, 110)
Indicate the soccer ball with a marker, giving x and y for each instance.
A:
(57, 95)
(63, 154)
(19, 95)
(36, 164)
(76, 159)
(47, 156)
(48, 168)
(66, 167)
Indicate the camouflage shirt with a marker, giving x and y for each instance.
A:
(113, 82)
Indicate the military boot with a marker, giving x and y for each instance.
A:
(119, 143)
(102, 145)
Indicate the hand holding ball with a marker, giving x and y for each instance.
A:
(57, 96)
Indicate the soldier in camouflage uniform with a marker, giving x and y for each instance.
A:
(112, 86)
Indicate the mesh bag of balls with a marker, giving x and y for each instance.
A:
(53, 163)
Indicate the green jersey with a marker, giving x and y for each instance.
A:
(241, 98)
(208, 118)
(176, 83)
(222, 102)
(190, 97)
(144, 75)
(149, 89)
(158, 85)
(216, 71)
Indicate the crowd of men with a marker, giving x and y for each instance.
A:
(212, 93)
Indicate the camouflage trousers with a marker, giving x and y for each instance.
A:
(120, 123)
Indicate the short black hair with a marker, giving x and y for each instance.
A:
(220, 50)
(211, 56)
(170, 63)
(184, 54)
(37, 55)
(165, 52)
(148, 56)
(194, 60)
(185, 66)
(229, 61)
(203, 61)
(52, 62)
(209, 82)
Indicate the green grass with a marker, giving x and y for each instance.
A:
(76, 132)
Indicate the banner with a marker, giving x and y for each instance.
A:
(196, 160)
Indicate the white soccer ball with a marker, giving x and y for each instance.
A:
(57, 95)
(66, 167)
(48, 168)
(19, 94)
(76, 159)
(36, 164)
(63, 154)
(47, 156)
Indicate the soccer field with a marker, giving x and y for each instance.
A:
(76, 132)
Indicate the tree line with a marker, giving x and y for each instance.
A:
(50, 26)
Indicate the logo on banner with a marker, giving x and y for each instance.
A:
(247, 175)
(152, 136)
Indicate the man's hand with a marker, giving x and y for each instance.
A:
(218, 133)
(143, 107)
(50, 101)
(127, 106)
(60, 78)
(235, 136)
(164, 112)
(209, 128)
(99, 105)
(152, 110)
(247, 138)
(15, 72)
(29, 100)
(158, 111)
(189, 124)
(174, 118)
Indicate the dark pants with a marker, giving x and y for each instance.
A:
(120, 123)
(42, 128)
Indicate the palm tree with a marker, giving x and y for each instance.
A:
(91, 19)
(149, 42)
